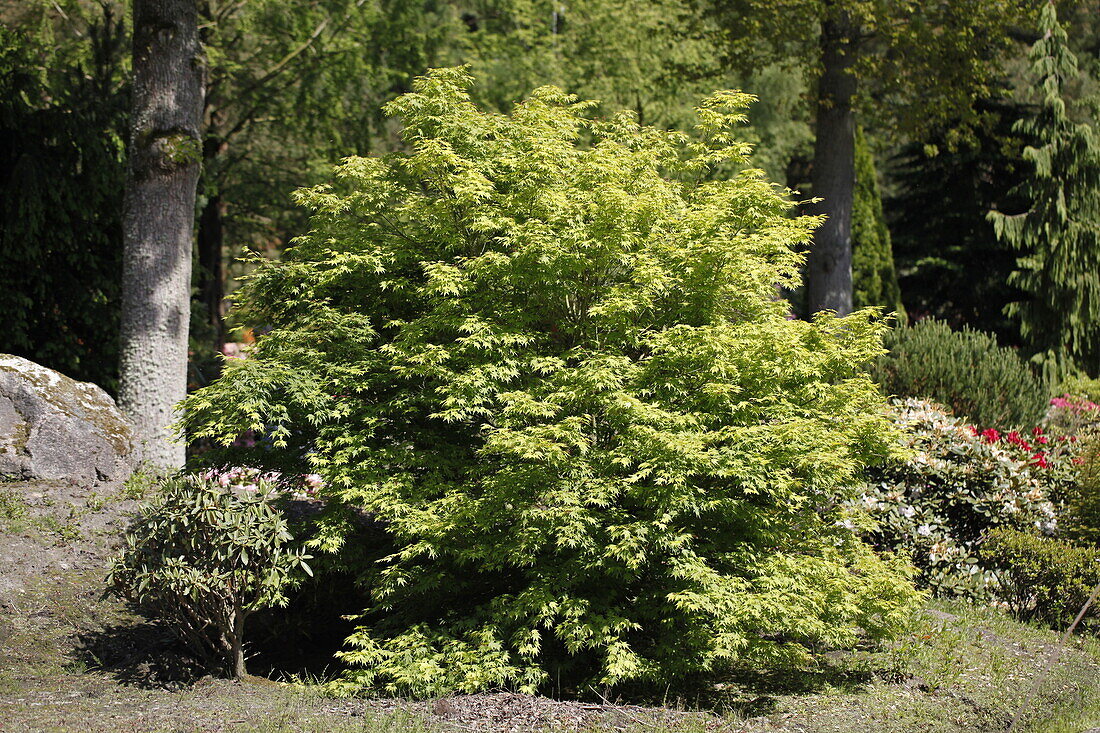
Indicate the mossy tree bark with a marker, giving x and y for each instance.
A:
(829, 265)
(165, 156)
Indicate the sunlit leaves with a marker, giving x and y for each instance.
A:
(556, 372)
(204, 557)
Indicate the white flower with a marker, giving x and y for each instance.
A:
(924, 530)
(908, 512)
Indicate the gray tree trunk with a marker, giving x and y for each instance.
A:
(829, 265)
(239, 669)
(165, 153)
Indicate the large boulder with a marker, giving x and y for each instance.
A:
(53, 427)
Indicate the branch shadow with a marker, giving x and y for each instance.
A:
(141, 654)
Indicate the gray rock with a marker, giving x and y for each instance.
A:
(53, 427)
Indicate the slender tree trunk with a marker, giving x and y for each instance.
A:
(165, 154)
(829, 266)
(239, 669)
(212, 265)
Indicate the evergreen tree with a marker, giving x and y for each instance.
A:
(928, 61)
(1059, 233)
(875, 281)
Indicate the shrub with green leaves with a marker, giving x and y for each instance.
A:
(965, 370)
(1041, 578)
(204, 558)
(953, 485)
(1081, 387)
(1080, 519)
(543, 351)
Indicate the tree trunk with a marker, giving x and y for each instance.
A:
(212, 265)
(239, 669)
(165, 154)
(829, 266)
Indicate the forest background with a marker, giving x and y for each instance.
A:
(936, 89)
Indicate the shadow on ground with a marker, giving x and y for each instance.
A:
(142, 653)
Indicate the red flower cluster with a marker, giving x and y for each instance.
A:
(1038, 456)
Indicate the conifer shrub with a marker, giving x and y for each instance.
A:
(874, 277)
(204, 558)
(543, 352)
(966, 371)
(1041, 578)
(1081, 387)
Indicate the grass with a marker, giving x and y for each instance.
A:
(960, 668)
(13, 510)
(140, 484)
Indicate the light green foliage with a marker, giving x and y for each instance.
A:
(965, 370)
(1040, 578)
(918, 65)
(874, 279)
(558, 376)
(1059, 234)
(955, 484)
(655, 57)
(1081, 387)
(204, 558)
(1081, 510)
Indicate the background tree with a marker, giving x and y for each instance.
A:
(291, 86)
(950, 262)
(165, 155)
(918, 62)
(1059, 233)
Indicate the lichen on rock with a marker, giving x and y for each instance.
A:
(53, 427)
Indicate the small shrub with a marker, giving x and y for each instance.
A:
(542, 350)
(1081, 387)
(965, 370)
(1041, 578)
(204, 558)
(13, 510)
(1080, 520)
(956, 483)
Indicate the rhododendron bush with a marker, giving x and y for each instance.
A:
(959, 481)
(543, 351)
(1073, 415)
